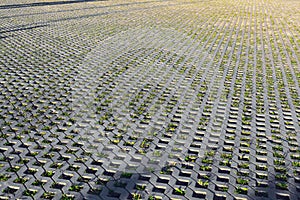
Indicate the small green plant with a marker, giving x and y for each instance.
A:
(225, 162)
(140, 187)
(46, 128)
(261, 167)
(282, 186)
(245, 144)
(4, 135)
(245, 151)
(141, 151)
(145, 143)
(129, 143)
(278, 148)
(76, 188)
(280, 169)
(205, 168)
(48, 173)
(172, 127)
(32, 170)
(33, 153)
(210, 153)
(48, 195)
(4, 177)
(242, 181)
(136, 196)
(56, 165)
(296, 163)
(4, 158)
(278, 154)
(126, 175)
(282, 177)
(67, 197)
(151, 197)
(94, 190)
(241, 190)
(203, 184)
(166, 170)
(230, 137)
(190, 158)
(179, 191)
(279, 162)
(157, 153)
(74, 168)
(244, 157)
(207, 161)
(39, 182)
(18, 137)
(21, 180)
(29, 192)
(13, 169)
(101, 155)
(204, 176)
(115, 141)
(262, 176)
(224, 188)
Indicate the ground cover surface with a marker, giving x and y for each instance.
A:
(150, 99)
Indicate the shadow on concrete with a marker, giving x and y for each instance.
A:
(22, 28)
(51, 3)
(277, 189)
(114, 12)
(86, 8)
(4, 37)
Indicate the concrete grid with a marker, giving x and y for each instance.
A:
(150, 99)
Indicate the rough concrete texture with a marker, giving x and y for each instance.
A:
(150, 99)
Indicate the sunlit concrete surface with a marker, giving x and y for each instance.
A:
(150, 99)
